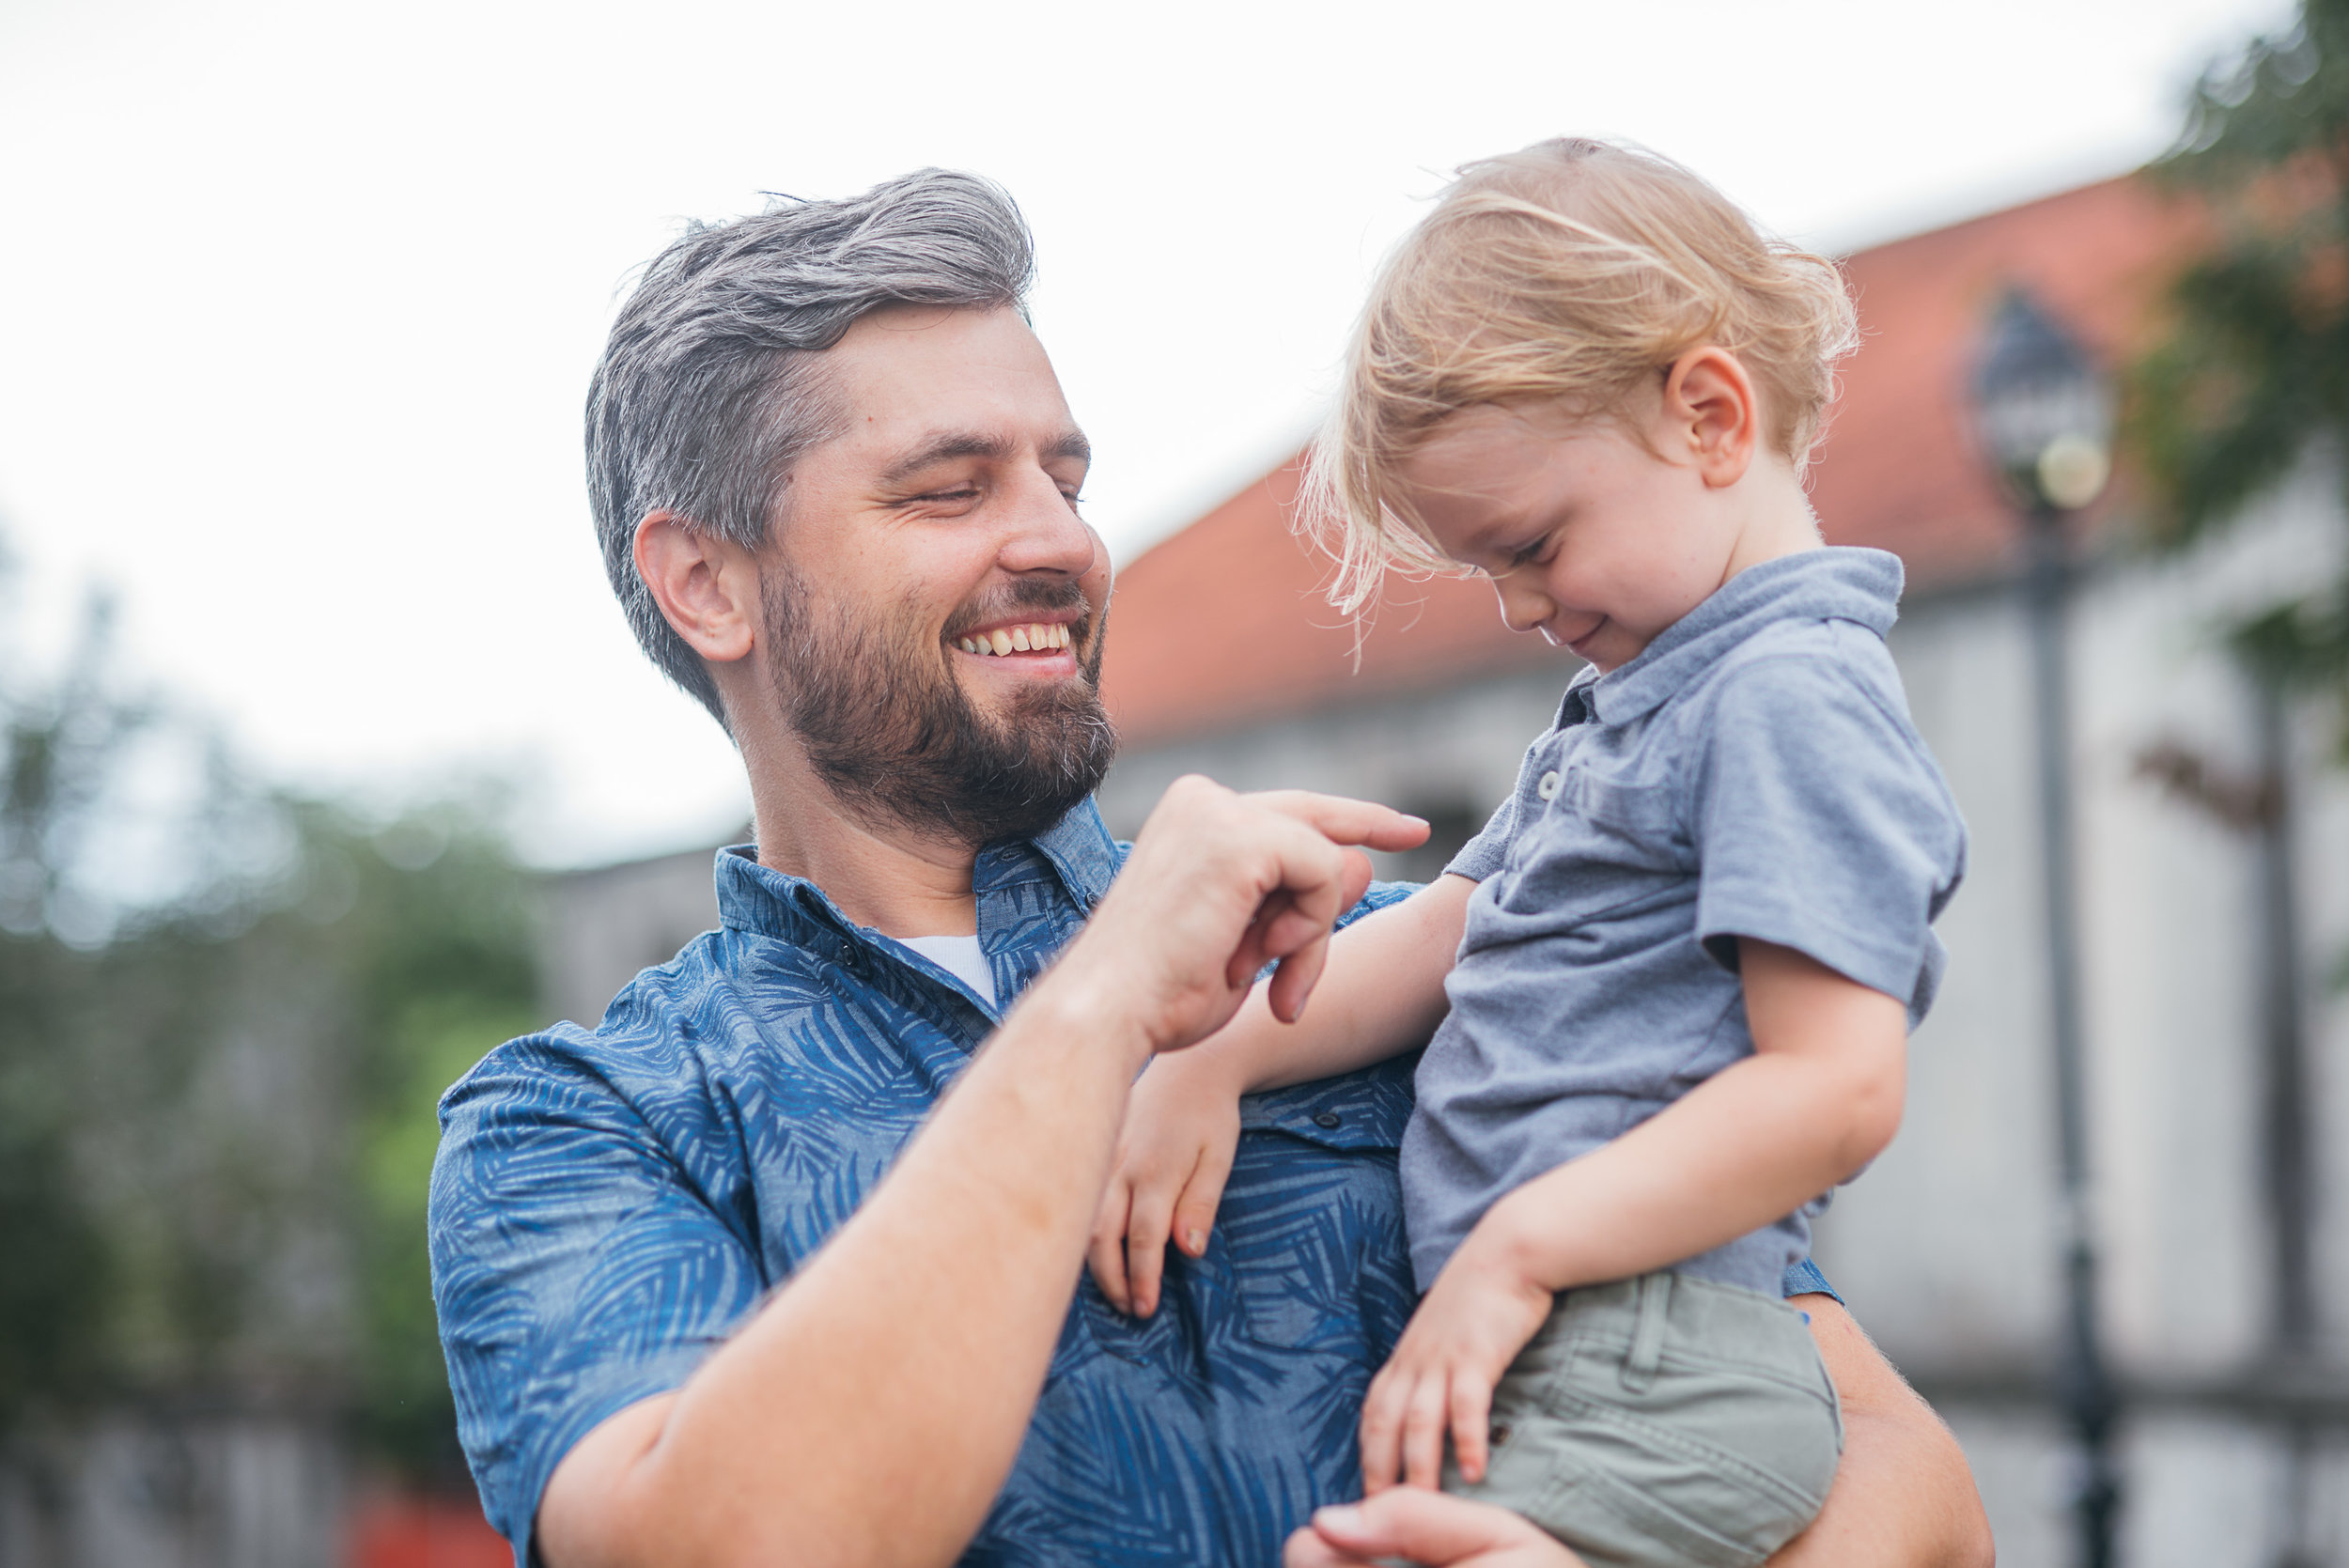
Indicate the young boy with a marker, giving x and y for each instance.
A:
(1675, 974)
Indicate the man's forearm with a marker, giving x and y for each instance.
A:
(903, 1361)
(1904, 1496)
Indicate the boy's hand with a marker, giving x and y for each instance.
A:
(1465, 1334)
(1182, 1127)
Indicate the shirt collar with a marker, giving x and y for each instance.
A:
(1838, 582)
(759, 898)
(1081, 850)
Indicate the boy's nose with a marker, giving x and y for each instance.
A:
(1524, 607)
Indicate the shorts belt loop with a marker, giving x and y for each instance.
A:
(1647, 1332)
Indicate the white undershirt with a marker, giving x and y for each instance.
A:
(960, 958)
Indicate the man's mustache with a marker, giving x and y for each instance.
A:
(1025, 597)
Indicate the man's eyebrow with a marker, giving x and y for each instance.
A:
(945, 447)
(951, 445)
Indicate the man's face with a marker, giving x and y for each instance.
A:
(934, 602)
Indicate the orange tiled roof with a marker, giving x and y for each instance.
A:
(1224, 623)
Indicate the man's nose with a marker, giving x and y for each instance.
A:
(1524, 607)
(1043, 532)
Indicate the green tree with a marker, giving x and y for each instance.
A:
(2251, 368)
(217, 1086)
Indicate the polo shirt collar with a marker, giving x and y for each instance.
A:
(1837, 583)
(770, 903)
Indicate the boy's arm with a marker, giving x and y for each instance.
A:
(1818, 1099)
(1381, 993)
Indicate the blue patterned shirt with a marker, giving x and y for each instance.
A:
(607, 1207)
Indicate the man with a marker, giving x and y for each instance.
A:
(736, 1278)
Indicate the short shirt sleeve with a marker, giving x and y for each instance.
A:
(576, 1268)
(1823, 823)
(1804, 1278)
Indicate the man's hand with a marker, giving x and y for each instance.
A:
(1426, 1528)
(1173, 1154)
(1441, 1375)
(1278, 869)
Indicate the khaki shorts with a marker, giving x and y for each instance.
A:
(1664, 1421)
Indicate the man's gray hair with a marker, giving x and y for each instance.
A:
(708, 390)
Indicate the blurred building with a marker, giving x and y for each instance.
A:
(2235, 1433)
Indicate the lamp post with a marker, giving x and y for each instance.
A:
(2044, 417)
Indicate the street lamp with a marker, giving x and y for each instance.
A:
(2044, 418)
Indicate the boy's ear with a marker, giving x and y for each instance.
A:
(1713, 413)
(705, 585)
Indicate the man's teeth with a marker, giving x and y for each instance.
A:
(1041, 637)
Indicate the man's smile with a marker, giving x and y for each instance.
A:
(1021, 637)
(1043, 646)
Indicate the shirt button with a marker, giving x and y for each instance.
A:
(1327, 1118)
(1548, 788)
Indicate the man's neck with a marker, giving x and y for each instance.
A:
(894, 879)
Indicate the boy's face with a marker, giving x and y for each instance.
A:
(1591, 539)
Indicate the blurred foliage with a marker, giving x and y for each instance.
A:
(217, 1092)
(2252, 368)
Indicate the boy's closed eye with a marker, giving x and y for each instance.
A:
(1535, 553)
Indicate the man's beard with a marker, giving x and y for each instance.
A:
(892, 735)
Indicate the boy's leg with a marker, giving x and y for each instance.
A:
(1663, 1421)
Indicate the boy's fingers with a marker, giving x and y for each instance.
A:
(1194, 1212)
(1145, 1249)
(1423, 1431)
(1106, 1260)
(1104, 1254)
(1471, 1415)
(1381, 1429)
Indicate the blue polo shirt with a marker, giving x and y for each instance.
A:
(1754, 773)
(608, 1206)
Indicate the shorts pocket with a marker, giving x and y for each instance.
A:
(1643, 1459)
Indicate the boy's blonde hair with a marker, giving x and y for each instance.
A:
(1575, 271)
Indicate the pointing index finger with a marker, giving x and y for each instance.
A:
(1342, 820)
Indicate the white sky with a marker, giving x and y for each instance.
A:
(301, 299)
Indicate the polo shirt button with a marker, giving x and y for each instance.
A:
(1548, 788)
(1327, 1118)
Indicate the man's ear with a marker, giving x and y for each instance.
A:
(1712, 414)
(706, 585)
